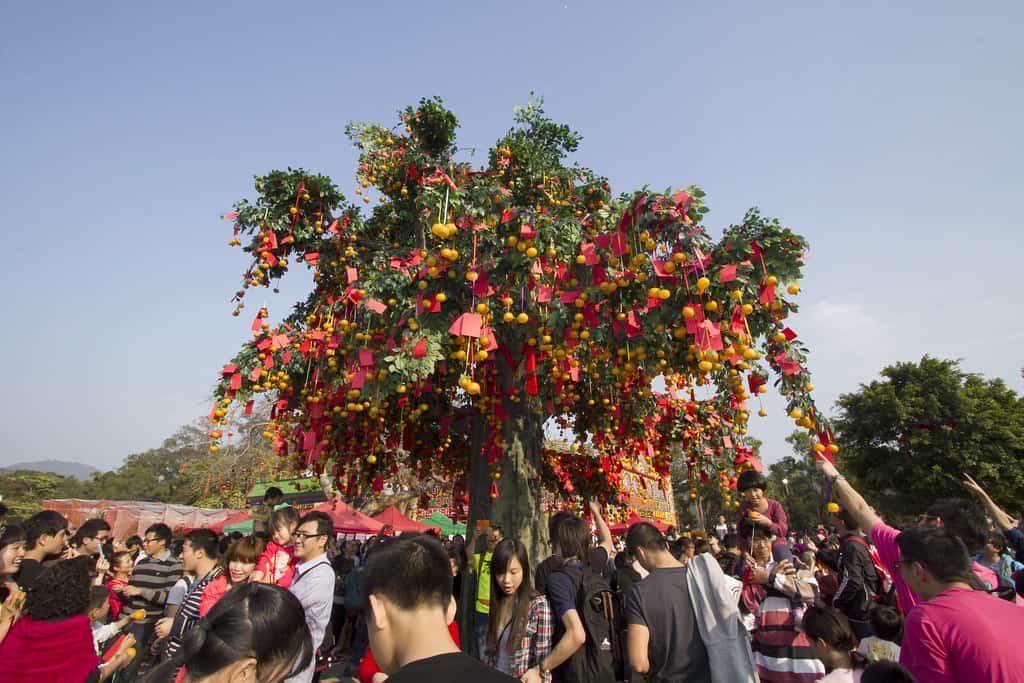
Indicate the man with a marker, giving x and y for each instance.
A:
(407, 582)
(662, 638)
(598, 559)
(260, 514)
(199, 558)
(152, 579)
(954, 633)
(91, 536)
(960, 518)
(572, 541)
(858, 581)
(481, 567)
(313, 584)
(46, 536)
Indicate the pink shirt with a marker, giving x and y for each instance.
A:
(963, 635)
(884, 537)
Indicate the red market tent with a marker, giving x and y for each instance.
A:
(400, 523)
(348, 520)
(237, 518)
(634, 518)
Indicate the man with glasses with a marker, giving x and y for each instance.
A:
(152, 579)
(313, 584)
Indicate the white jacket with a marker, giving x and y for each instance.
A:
(716, 606)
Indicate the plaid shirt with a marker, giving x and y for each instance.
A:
(535, 644)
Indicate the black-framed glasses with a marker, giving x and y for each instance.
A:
(150, 540)
(302, 536)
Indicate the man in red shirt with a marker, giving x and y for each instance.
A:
(955, 633)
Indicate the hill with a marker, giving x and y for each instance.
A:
(61, 467)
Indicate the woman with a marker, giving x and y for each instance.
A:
(239, 564)
(995, 557)
(834, 644)
(256, 632)
(519, 629)
(12, 550)
(53, 640)
(777, 594)
(120, 574)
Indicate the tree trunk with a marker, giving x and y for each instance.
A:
(517, 508)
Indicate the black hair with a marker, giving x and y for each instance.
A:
(936, 548)
(45, 523)
(519, 609)
(828, 558)
(998, 542)
(160, 531)
(730, 541)
(964, 518)
(886, 672)
(98, 596)
(284, 517)
(644, 535)
(61, 590)
(886, 623)
(847, 519)
(701, 545)
(91, 527)
(273, 492)
(831, 627)
(323, 522)
(572, 538)
(12, 533)
(409, 570)
(115, 558)
(133, 541)
(728, 562)
(254, 620)
(751, 479)
(205, 540)
(554, 521)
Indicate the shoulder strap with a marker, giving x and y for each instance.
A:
(861, 541)
(318, 564)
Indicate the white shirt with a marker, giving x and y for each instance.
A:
(313, 585)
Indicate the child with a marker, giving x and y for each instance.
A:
(120, 573)
(276, 562)
(764, 513)
(99, 610)
(834, 644)
(886, 624)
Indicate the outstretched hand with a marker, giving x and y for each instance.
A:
(973, 485)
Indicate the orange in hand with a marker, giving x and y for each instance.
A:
(138, 615)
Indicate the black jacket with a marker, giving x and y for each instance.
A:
(858, 581)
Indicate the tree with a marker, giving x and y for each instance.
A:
(473, 305)
(909, 437)
(23, 491)
(797, 485)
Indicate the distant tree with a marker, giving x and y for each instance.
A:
(908, 438)
(794, 482)
(23, 491)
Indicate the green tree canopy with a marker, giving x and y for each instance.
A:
(909, 437)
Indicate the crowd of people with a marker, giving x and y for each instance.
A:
(854, 601)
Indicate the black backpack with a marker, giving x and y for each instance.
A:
(600, 660)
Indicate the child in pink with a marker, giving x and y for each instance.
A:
(277, 562)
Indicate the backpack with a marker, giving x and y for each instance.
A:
(886, 592)
(601, 659)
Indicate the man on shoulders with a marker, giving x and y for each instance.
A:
(407, 584)
(662, 637)
(955, 633)
(313, 584)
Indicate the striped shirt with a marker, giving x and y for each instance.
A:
(188, 613)
(781, 652)
(154, 577)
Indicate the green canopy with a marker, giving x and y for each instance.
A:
(447, 526)
(243, 527)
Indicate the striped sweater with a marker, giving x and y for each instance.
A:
(155, 577)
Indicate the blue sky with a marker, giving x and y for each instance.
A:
(887, 133)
